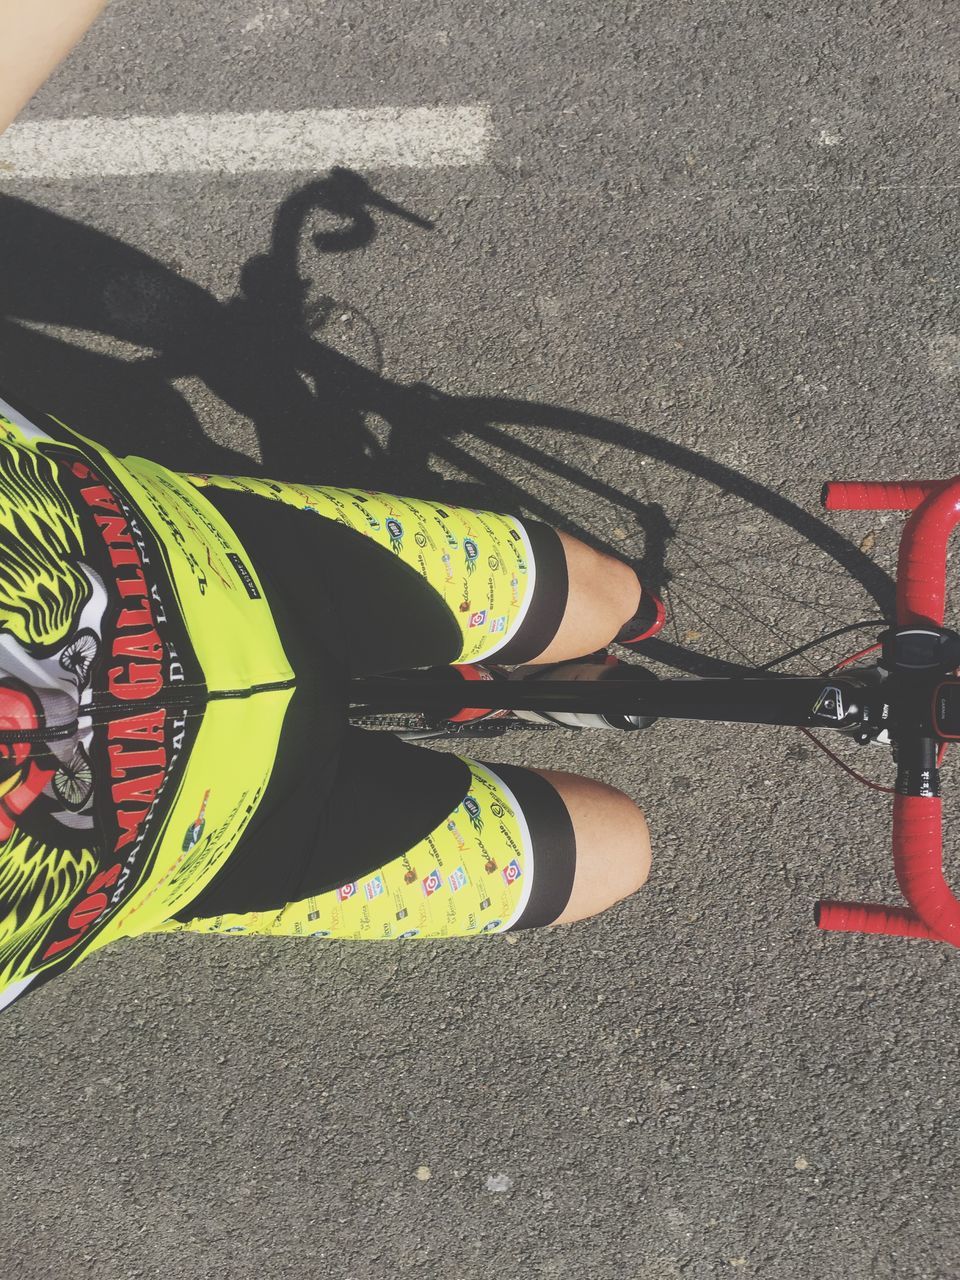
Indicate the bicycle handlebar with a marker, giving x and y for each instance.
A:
(854, 495)
(933, 911)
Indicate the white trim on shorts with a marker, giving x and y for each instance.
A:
(528, 870)
(532, 582)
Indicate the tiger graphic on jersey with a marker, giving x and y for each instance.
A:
(120, 704)
(51, 611)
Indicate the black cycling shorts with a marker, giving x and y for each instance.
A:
(360, 584)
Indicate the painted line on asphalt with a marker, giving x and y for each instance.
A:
(264, 141)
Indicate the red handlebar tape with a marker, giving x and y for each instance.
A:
(933, 911)
(862, 917)
(852, 495)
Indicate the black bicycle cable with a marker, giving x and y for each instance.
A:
(827, 635)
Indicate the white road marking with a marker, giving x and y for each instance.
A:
(379, 138)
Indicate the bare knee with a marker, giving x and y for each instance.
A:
(643, 852)
(612, 844)
(625, 590)
(603, 593)
(610, 584)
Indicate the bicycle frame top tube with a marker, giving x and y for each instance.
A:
(808, 701)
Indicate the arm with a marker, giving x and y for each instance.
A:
(36, 35)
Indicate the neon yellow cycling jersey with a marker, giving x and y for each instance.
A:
(122, 789)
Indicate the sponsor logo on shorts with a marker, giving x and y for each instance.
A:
(447, 566)
(452, 828)
(490, 866)
(511, 872)
(493, 562)
(395, 530)
(346, 892)
(471, 551)
(432, 883)
(420, 539)
(515, 590)
(458, 879)
(373, 888)
(498, 624)
(496, 808)
(472, 807)
(478, 619)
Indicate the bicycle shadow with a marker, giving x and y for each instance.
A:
(266, 353)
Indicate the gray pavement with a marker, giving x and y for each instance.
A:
(710, 262)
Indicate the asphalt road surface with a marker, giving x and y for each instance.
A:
(684, 263)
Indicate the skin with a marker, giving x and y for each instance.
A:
(613, 840)
(35, 36)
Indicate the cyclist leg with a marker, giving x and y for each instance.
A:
(508, 856)
(612, 843)
(409, 580)
(603, 593)
(519, 590)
